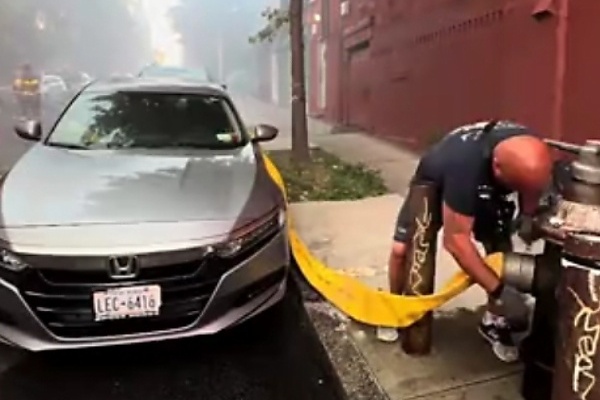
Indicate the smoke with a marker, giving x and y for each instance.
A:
(108, 37)
(165, 40)
(215, 35)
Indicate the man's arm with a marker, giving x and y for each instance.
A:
(457, 234)
(460, 196)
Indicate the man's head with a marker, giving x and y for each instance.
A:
(523, 163)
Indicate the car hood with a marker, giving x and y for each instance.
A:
(52, 187)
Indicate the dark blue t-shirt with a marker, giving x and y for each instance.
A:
(462, 162)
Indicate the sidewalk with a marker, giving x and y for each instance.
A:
(354, 236)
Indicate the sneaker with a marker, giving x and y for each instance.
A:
(388, 335)
(499, 335)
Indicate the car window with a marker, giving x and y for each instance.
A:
(148, 120)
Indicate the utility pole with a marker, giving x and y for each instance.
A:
(220, 56)
(300, 149)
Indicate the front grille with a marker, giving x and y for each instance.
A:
(94, 277)
(63, 299)
(66, 308)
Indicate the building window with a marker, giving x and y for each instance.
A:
(345, 7)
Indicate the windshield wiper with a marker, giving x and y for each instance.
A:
(64, 145)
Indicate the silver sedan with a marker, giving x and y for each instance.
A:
(145, 213)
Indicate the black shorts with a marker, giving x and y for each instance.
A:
(405, 223)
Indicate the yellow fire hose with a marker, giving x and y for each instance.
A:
(361, 302)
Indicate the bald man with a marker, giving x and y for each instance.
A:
(500, 155)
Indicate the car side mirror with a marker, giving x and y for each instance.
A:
(29, 130)
(264, 133)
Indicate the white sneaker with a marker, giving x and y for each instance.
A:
(388, 335)
(497, 332)
(507, 354)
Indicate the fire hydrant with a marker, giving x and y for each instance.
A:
(561, 356)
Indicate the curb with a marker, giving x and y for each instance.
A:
(331, 325)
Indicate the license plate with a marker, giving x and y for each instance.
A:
(127, 302)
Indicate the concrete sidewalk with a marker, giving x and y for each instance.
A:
(355, 237)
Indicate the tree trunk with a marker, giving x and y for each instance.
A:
(300, 150)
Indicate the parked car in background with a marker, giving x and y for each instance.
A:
(115, 76)
(159, 220)
(76, 80)
(54, 90)
(85, 78)
(195, 74)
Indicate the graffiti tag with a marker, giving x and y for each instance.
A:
(586, 321)
(420, 248)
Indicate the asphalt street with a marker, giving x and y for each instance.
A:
(275, 356)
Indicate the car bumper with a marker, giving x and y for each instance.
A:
(245, 290)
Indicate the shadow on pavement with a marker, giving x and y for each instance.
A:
(275, 356)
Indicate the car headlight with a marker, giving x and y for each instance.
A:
(251, 233)
(12, 262)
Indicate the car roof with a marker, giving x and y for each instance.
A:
(156, 85)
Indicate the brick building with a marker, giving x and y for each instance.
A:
(406, 70)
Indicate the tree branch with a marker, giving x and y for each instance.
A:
(275, 19)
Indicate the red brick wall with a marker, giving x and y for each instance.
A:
(581, 103)
(529, 67)
(435, 64)
(333, 111)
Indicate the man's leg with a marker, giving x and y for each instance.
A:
(497, 330)
(495, 327)
(396, 273)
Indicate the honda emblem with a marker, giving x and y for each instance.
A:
(123, 267)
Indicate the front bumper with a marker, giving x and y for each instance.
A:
(44, 316)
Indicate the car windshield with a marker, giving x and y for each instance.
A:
(147, 120)
(196, 74)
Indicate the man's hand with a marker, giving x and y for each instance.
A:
(509, 303)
